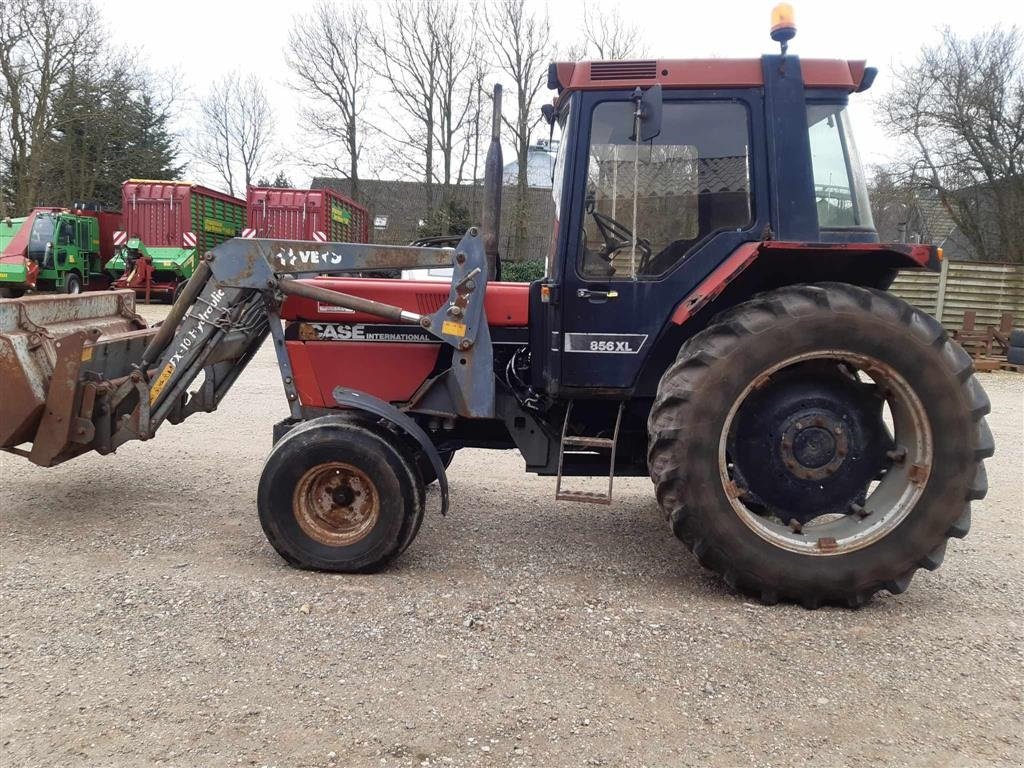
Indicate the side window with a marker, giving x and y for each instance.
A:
(839, 187)
(692, 180)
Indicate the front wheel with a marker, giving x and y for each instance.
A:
(72, 283)
(338, 494)
(819, 444)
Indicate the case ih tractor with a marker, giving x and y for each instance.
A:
(714, 315)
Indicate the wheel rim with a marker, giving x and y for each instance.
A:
(816, 445)
(336, 504)
(75, 288)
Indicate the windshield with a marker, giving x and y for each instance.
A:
(42, 234)
(839, 186)
(558, 170)
(557, 183)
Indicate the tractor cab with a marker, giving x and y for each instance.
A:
(666, 169)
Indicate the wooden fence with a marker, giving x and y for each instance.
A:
(988, 288)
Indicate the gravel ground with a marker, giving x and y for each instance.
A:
(144, 620)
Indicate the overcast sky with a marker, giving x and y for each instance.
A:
(204, 39)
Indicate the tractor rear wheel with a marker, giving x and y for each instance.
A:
(819, 443)
(340, 494)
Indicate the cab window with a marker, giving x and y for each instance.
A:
(67, 232)
(41, 236)
(690, 181)
(839, 188)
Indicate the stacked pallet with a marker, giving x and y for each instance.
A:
(993, 348)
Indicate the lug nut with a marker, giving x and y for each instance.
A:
(858, 510)
(898, 454)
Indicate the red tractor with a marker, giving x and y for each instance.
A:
(714, 316)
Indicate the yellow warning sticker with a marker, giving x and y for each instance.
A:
(86, 354)
(450, 328)
(160, 383)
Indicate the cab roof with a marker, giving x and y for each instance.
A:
(838, 74)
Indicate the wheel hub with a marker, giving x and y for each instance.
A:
(336, 504)
(814, 444)
(808, 443)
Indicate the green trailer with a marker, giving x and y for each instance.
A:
(56, 249)
(167, 225)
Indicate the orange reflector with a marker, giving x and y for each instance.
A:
(938, 254)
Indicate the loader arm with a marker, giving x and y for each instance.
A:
(104, 389)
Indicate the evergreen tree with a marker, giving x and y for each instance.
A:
(107, 128)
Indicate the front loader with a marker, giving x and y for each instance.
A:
(714, 316)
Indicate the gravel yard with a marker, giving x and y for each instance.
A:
(144, 620)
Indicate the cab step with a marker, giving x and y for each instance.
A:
(585, 441)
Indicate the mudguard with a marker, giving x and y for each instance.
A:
(351, 398)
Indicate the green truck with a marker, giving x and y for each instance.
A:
(57, 249)
(167, 225)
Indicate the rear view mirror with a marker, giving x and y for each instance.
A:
(647, 113)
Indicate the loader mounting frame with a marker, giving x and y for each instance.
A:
(107, 390)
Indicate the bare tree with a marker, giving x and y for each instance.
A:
(459, 73)
(521, 45)
(407, 58)
(960, 111)
(427, 52)
(892, 200)
(327, 54)
(606, 36)
(236, 130)
(42, 43)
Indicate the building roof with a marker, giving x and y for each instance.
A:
(935, 222)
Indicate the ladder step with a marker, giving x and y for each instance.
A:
(581, 441)
(584, 496)
(592, 442)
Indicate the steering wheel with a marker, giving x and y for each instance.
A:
(616, 236)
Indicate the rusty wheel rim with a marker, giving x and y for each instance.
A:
(887, 503)
(336, 504)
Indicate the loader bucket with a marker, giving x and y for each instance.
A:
(44, 341)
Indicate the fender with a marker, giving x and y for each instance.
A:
(846, 255)
(360, 401)
(760, 266)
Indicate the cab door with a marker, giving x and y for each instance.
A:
(65, 249)
(647, 222)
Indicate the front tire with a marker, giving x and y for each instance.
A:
(771, 455)
(339, 494)
(72, 284)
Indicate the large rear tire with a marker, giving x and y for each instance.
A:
(771, 451)
(340, 494)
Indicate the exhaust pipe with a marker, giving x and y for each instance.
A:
(493, 167)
